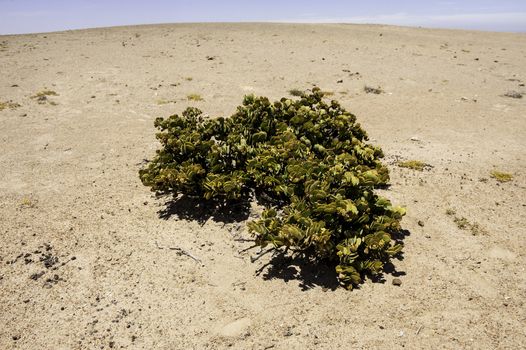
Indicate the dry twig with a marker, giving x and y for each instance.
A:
(180, 251)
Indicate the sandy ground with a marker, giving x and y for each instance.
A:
(85, 260)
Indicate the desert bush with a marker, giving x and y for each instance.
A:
(8, 104)
(413, 164)
(194, 97)
(307, 158)
(372, 90)
(295, 92)
(501, 176)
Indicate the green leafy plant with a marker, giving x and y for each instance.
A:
(372, 90)
(461, 223)
(414, 165)
(501, 176)
(44, 93)
(8, 104)
(306, 158)
(42, 97)
(27, 203)
(295, 92)
(3, 45)
(163, 101)
(464, 224)
(194, 97)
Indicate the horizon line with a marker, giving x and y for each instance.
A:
(291, 21)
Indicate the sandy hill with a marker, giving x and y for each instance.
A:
(85, 260)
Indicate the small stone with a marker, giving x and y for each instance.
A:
(513, 94)
(420, 223)
(37, 275)
(236, 328)
(16, 337)
(397, 282)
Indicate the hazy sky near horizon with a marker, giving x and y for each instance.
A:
(30, 16)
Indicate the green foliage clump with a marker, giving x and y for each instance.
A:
(413, 164)
(44, 93)
(8, 104)
(163, 101)
(42, 97)
(461, 223)
(194, 97)
(310, 161)
(372, 90)
(501, 176)
(3, 45)
(464, 224)
(296, 92)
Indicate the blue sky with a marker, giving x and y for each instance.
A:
(29, 16)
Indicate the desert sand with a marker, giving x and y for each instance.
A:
(85, 258)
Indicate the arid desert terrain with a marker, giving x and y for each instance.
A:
(91, 259)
